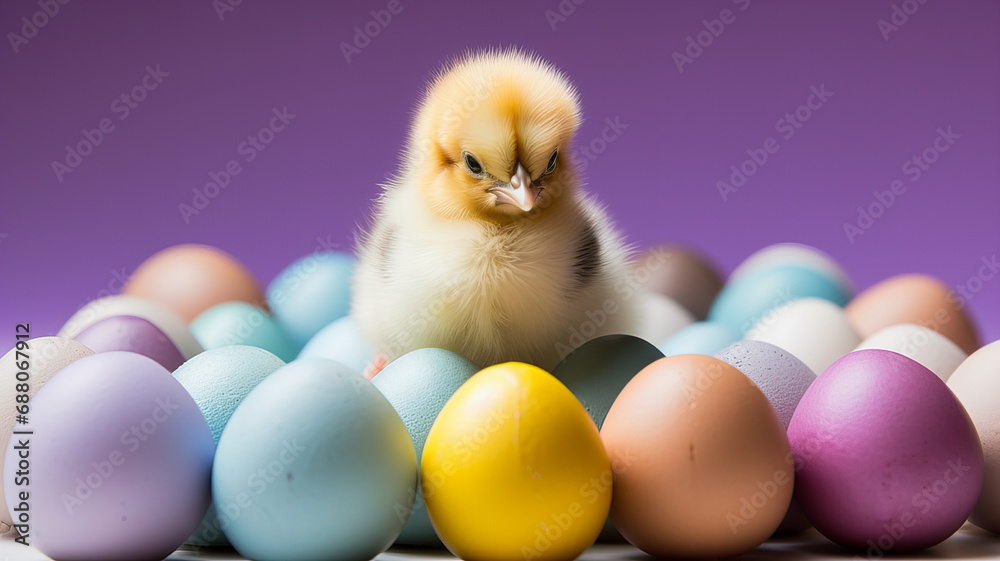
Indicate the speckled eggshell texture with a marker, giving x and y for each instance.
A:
(418, 384)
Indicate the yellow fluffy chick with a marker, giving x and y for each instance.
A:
(485, 244)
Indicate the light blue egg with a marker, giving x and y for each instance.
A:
(311, 293)
(747, 299)
(699, 338)
(218, 380)
(418, 384)
(240, 323)
(314, 464)
(340, 341)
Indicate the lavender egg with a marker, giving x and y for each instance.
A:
(887, 459)
(784, 379)
(120, 461)
(135, 334)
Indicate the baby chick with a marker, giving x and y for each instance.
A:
(485, 244)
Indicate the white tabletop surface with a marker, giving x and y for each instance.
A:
(969, 544)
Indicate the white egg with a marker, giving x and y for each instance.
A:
(45, 356)
(660, 317)
(814, 330)
(926, 346)
(341, 341)
(794, 254)
(976, 383)
(123, 305)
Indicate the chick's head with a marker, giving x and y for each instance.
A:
(491, 138)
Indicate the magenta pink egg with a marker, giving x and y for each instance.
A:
(135, 334)
(886, 457)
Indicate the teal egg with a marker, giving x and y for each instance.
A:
(311, 293)
(700, 338)
(596, 372)
(218, 380)
(418, 384)
(745, 300)
(240, 323)
(340, 341)
(314, 464)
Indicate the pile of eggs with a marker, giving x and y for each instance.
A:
(197, 407)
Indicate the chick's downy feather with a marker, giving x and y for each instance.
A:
(484, 244)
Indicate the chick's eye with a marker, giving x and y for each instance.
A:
(473, 164)
(552, 162)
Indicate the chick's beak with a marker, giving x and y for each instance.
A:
(519, 192)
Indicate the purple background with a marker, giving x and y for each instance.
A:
(66, 241)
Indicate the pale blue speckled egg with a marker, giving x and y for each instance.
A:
(219, 380)
(418, 384)
(314, 464)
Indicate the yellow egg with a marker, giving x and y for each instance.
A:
(514, 468)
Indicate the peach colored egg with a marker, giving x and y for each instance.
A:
(701, 461)
(191, 278)
(681, 274)
(913, 298)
